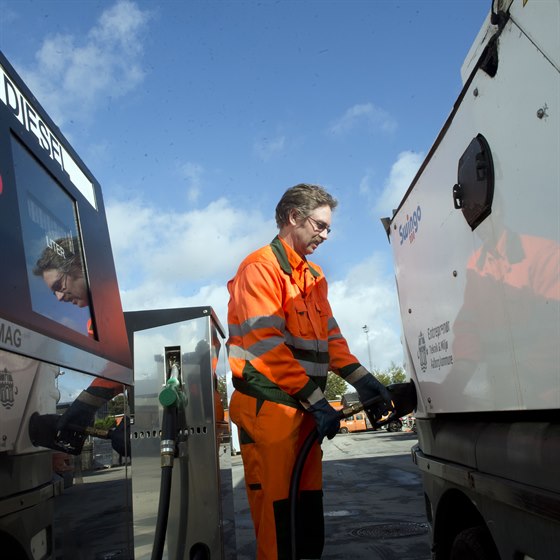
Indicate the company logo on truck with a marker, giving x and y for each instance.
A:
(436, 352)
(438, 346)
(422, 352)
(409, 229)
(7, 389)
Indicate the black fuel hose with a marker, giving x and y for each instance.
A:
(300, 463)
(168, 433)
(294, 488)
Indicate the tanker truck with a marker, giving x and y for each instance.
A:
(475, 243)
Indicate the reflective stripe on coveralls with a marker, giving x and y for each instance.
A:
(283, 338)
(282, 342)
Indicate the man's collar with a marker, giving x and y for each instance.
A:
(288, 258)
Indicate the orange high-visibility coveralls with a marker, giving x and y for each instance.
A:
(283, 340)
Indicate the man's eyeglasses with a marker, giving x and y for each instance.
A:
(319, 226)
(59, 286)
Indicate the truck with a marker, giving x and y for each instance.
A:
(475, 245)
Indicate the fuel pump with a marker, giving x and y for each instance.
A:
(62, 336)
(181, 489)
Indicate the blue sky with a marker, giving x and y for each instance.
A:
(195, 117)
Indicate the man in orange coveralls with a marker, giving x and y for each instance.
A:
(283, 340)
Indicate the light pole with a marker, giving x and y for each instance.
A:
(366, 330)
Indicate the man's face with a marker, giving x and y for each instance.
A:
(67, 288)
(311, 231)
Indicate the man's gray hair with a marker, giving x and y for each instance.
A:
(303, 198)
(64, 256)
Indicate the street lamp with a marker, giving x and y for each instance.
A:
(366, 330)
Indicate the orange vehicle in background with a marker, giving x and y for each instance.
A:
(359, 422)
(356, 423)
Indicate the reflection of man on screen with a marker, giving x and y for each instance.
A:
(60, 266)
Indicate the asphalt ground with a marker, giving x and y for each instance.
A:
(373, 503)
(373, 500)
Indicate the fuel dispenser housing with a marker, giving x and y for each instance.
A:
(182, 345)
(50, 349)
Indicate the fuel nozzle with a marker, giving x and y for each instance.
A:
(45, 431)
(379, 411)
(403, 402)
(172, 394)
(171, 397)
(404, 398)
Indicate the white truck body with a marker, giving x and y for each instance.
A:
(480, 301)
(436, 261)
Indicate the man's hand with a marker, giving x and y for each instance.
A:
(119, 437)
(70, 427)
(369, 387)
(79, 415)
(326, 418)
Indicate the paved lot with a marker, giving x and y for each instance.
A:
(374, 506)
(374, 503)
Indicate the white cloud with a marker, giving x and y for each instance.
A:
(366, 297)
(267, 148)
(368, 113)
(400, 177)
(167, 251)
(75, 72)
(151, 295)
(167, 260)
(192, 173)
(364, 187)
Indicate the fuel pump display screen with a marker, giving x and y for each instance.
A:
(53, 251)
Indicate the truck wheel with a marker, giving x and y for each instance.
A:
(343, 430)
(474, 543)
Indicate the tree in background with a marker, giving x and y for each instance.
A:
(395, 374)
(221, 387)
(336, 387)
(117, 405)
